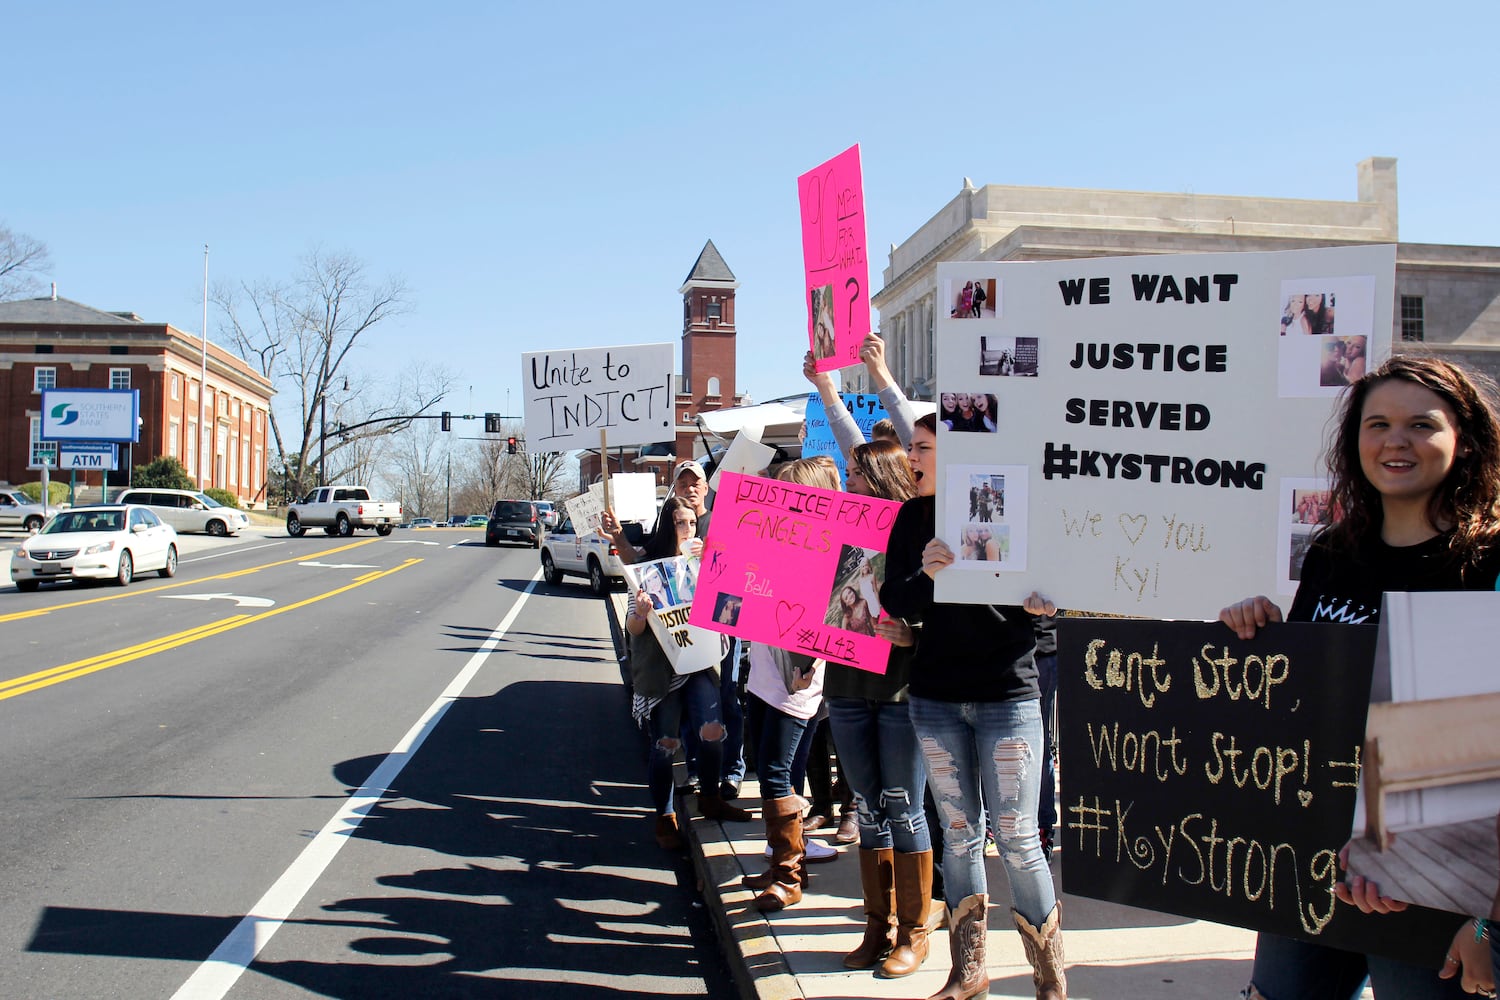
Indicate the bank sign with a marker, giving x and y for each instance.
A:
(86, 456)
(91, 415)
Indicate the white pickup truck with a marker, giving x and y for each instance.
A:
(591, 556)
(341, 510)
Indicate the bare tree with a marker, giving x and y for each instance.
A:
(299, 334)
(21, 259)
(418, 463)
(537, 475)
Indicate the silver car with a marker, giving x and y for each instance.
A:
(17, 510)
(188, 510)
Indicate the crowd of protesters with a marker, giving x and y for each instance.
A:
(951, 751)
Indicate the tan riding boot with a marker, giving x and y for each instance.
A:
(1044, 950)
(913, 900)
(764, 880)
(877, 878)
(666, 833)
(966, 931)
(784, 831)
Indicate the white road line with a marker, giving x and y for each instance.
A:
(227, 552)
(217, 975)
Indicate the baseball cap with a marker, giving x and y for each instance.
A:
(689, 466)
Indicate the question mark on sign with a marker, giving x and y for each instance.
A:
(853, 297)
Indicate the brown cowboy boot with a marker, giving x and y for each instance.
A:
(913, 900)
(966, 930)
(1044, 950)
(765, 879)
(784, 831)
(877, 878)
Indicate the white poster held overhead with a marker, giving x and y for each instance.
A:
(573, 395)
(1115, 433)
(634, 496)
(669, 585)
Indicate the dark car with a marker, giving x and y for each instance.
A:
(514, 521)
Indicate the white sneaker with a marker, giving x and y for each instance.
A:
(816, 851)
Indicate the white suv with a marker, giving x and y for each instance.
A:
(188, 510)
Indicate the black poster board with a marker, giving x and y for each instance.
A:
(1215, 778)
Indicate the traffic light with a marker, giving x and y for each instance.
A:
(510, 445)
(447, 421)
(492, 423)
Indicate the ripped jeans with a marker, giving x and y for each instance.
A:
(978, 754)
(878, 753)
(697, 700)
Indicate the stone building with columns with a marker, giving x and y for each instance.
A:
(1448, 297)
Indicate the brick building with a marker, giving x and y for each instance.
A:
(707, 381)
(52, 343)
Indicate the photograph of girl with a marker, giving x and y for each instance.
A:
(854, 604)
(823, 344)
(968, 411)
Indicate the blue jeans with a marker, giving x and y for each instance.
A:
(1291, 969)
(732, 753)
(881, 762)
(1046, 677)
(697, 701)
(987, 754)
(776, 749)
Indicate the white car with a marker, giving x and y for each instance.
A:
(17, 510)
(108, 542)
(188, 510)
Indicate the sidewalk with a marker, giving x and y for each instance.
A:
(1112, 951)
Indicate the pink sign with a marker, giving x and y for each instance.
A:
(796, 567)
(833, 256)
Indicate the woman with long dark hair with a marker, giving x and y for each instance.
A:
(1415, 469)
(664, 697)
(975, 705)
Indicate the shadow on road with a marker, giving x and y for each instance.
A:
(555, 887)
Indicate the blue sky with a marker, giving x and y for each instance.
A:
(545, 176)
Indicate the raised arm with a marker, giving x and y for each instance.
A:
(872, 353)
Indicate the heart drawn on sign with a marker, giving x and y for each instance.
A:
(1304, 797)
(1134, 525)
(787, 616)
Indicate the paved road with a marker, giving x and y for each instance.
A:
(407, 759)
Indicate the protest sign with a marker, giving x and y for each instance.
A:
(669, 585)
(797, 567)
(573, 395)
(1151, 421)
(634, 496)
(746, 455)
(866, 409)
(833, 257)
(1216, 778)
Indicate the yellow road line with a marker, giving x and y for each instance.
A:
(137, 592)
(102, 661)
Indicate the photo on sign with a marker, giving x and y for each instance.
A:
(1342, 361)
(1008, 356)
(987, 506)
(1426, 828)
(1315, 356)
(986, 497)
(968, 411)
(823, 329)
(854, 604)
(1306, 504)
(1307, 312)
(727, 609)
(985, 543)
(972, 298)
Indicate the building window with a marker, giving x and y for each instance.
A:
(190, 458)
(174, 438)
(234, 460)
(176, 386)
(1412, 322)
(236, 410)
(119, 349)
(44, 378)
(40, 447)
(715, 312)
(119, 378)
(44, 348)
(713, 385)
(192, 390)
(245, 461)
(256, 469)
